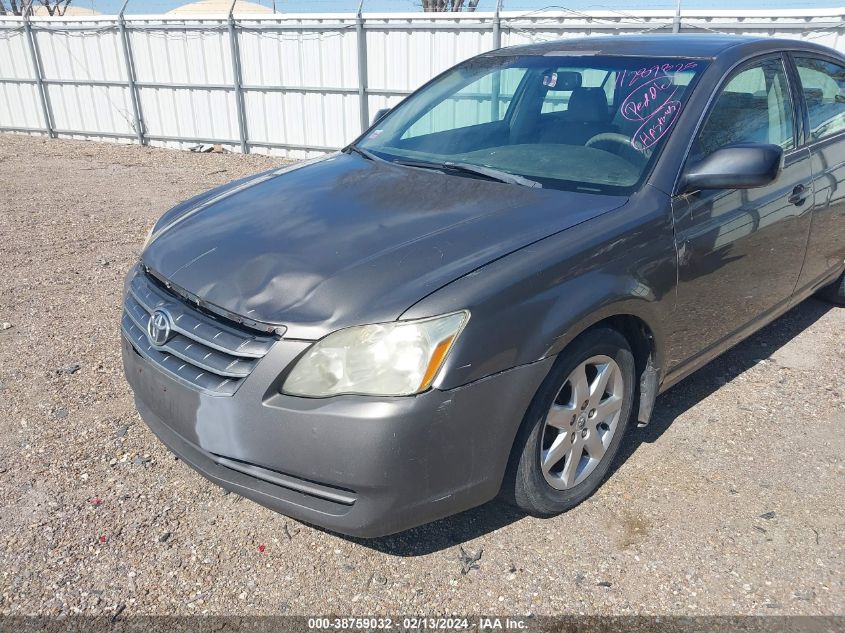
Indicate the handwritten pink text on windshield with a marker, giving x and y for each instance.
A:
(656, 126)
(651, 100)
(645, 99)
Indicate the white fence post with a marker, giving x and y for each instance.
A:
(363, 72)
(236, 72)
(497, 80)
(130, 75)
(497, 26)
(676, 22)
(39, 77)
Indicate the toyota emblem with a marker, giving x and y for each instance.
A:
(158, 329)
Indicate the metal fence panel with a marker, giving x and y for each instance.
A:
(194, 114)
(95, 109)
(78, 69)
(288, 84)
(19, 101)
(301, 86)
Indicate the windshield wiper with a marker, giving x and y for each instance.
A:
(361, 151)
(422, 164)
(493, 174)
(469, 168)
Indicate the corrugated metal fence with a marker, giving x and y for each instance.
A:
(288, 84)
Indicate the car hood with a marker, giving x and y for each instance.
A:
(346, 240)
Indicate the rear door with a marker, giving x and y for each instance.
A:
(741, 251)
(822, 82)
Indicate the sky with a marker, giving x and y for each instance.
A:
(343, 6)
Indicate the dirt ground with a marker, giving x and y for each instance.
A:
(730, 502)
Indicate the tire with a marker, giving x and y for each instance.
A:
(565, 483)
(835, 292)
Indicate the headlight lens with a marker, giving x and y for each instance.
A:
(385, 359)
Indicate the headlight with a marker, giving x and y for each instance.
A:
(385, 359)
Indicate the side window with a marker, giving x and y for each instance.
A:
(483, 101)
(822, 83)
(753, 107)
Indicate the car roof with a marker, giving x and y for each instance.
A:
(697, 45)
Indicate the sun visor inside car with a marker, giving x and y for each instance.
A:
(562, 80)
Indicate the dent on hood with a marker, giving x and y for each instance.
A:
(351, 241)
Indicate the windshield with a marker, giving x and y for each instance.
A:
(590, 124)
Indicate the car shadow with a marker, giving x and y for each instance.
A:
(471, 524)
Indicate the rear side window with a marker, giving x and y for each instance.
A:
(822, 83)
(753, 107)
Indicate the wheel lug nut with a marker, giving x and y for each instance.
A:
(592, 413)
(573, 437)
(584, 406)
(584, 433)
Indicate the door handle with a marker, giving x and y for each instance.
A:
(799, 195)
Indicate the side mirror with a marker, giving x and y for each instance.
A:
(379, 115)
(741, 166)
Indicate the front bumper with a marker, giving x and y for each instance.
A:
(361, 466)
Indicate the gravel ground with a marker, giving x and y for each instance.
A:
(730, 502)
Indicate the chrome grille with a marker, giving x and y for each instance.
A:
(202, 351)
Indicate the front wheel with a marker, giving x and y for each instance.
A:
(574, 426)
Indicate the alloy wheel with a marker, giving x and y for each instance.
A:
(582, 422)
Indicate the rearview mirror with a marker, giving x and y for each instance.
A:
(741, 166)
(565, 81)
(379, 115)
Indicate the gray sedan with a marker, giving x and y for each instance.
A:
(484, 292)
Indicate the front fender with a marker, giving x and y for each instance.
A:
(530, 304)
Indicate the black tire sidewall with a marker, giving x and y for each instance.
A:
(531, 492)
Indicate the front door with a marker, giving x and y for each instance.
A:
(740, 251)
